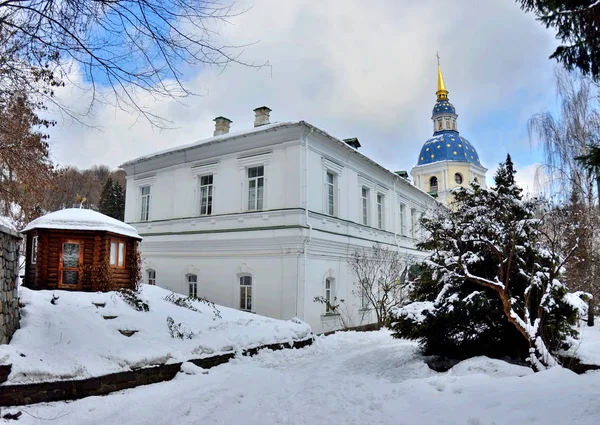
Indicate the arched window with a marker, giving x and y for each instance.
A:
(246, 293)
(476, 180)
(151, 277)
(192, 280)
(329, 297)
(458, 178)
(433, 184)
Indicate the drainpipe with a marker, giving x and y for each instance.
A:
(309, 226)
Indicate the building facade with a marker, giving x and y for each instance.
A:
(447, 160)
(264, 220)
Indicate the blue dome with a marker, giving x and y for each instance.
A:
(443, 107)
(448, 145)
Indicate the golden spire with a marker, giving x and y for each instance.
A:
(442, 93)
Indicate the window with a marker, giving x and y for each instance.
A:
(365, 206)
(364, 299)
(329, 295)
(413, 222)
(117, 253)
(380, 210)
(256, 185)
(145, 203)
(433, 184)
(151, 277)
(206, 195)
(402, 226)
(34, 245)
(458, 179)
(476, 180)
(193, 285)
(330, 185)
(70, 262)
(246, 293)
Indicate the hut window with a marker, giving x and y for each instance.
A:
(34, 245)
(145, 203)
(151, 277)
(193, 285)
(71, 256)
(117, 253)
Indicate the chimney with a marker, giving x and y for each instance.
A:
(221, 125)
(353, 142)
(261, 116)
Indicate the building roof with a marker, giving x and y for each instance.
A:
(448, 145)
(82, 219)
(263, 128)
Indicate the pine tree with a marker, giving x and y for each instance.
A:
(491, 285)
(118, 202)
(105, 205)
(576, 24)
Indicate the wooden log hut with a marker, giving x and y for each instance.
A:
(80, 250)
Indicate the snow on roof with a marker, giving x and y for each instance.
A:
(82, 219)
(8, 223)
(209, 140)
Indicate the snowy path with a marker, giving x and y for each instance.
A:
(347, 378)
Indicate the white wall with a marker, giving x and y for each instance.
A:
(270, 244)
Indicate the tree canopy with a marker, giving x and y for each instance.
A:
(577, 28)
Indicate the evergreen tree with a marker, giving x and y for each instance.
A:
(118, 201)
(576, 23)
(105, 205)
(491, 283)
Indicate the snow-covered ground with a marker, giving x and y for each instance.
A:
(72, 339)
(346, 378)
(587, 347)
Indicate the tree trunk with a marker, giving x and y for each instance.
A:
(591, 307)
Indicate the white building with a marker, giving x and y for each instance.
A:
(265, 219)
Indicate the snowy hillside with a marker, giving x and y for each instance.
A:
(74, 338)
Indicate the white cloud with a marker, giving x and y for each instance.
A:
(351, 67)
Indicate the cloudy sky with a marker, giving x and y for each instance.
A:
(355, 69)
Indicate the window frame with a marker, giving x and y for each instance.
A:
(458, 176)
(145, 202)
(244, 289)
(192, 280)
(365, 194)
(365, 303)
(432, 187)
(331, 207)
(413, 222)
(34, 248)
(151, 280)
(257, 179)
(210, 201)
(119, 243)
(329, 294)
(380, 210)
(402, 219)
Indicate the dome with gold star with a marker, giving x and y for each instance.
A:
(446, 144)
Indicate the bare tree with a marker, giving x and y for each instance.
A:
(381, 277)
(132, 47)
(564, 139)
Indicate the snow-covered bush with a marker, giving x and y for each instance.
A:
(493, 279)
(187, 302)
(132, 298)
(177, 330)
